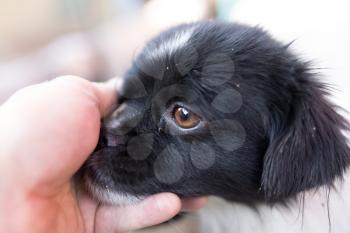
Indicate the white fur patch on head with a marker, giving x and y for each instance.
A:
(106, 195)
(175, 42)
(152, 60)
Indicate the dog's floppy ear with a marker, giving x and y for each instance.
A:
(309, 148)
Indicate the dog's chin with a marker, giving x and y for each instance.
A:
(111, 197)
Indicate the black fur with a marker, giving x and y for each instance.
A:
(268, 131)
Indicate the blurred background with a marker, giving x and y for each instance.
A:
(41, 39)
(97, 39)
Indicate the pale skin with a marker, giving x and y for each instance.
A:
(47, 131)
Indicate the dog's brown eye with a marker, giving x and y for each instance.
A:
(185, 118)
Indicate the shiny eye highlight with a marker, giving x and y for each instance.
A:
(185, 118)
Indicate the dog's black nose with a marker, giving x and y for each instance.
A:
(124, 119)
(115, 128)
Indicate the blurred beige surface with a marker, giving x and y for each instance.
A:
(26, 25)
(186, 225)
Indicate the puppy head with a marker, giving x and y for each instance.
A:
(217, 109)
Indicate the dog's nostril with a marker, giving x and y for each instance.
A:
(103, 140)
(108, 139)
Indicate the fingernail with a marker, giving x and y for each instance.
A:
(111, 86)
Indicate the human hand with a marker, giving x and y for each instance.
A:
(47, 131)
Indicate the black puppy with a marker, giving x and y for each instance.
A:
(218, 109)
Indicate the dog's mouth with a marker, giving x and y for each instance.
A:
(112, 177)
(107, 195)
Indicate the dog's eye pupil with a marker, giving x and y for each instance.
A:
(185, 118)
(184, 114)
